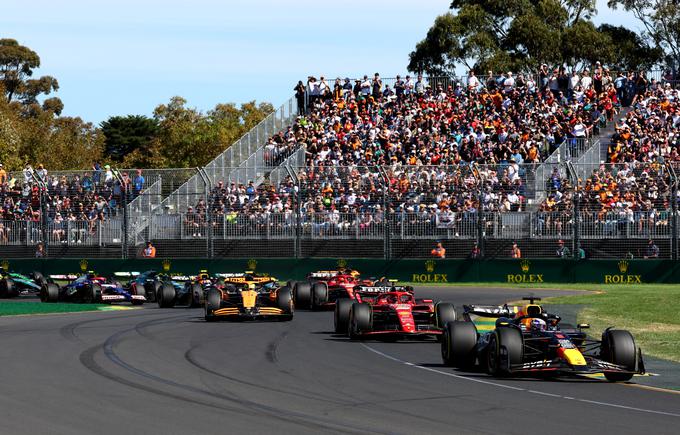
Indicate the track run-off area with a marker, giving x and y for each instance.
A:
(167, 371)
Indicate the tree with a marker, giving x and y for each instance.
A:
(16, 67)
(124, 135)
(661, 19)
(632, 51)
(513, 35)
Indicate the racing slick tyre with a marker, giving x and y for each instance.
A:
(197, 297)
(151, 289)
(509, 338)
(458, 344)
(319, 295)
(166, 296)
(213, 302)
(38, 278)
(618, 347)
(360, 320)
(341, 317)
(444, 313)
(8, 289)
(49, 292)
(92, 294)
(284, 301)
(302, 295)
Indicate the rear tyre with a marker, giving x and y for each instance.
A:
(443, 313)
(167, 296)
(618, 347)
(96, 293)
(197, 297)
(8, 289)
(151, 289)
(319, 295)
(511, 340)
(458, 344)
(341, 317)
(284, 301)
(360, 320)
(213, 301)
(49, 292)
(302, 295)
(38, 278)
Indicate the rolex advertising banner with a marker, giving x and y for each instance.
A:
(425, 271)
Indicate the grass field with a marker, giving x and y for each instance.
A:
(650, 311)
(16, 308)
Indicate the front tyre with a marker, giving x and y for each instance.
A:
(458, 344)
(166, 296)
(302, 295)
(341, 315)
(49, 292)
(319, 295)
(505, 349)
(618, 347)
(213, 301)
(360, 320)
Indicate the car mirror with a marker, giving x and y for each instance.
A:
(583, 326)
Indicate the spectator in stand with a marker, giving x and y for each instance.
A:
(138, 183)
(562, 251)
(299, 90)
(475, 252)
(149, 251)
(651, 251)
(515, 252)
(439, 251)
(40, 251)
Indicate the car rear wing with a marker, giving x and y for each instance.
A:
(126, 274)
(182, 278)
(372, 290)
(238, 278)
(324, 274)
(67, 277)
(491, 310)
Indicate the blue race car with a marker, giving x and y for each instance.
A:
(165, 288)
(89, 288)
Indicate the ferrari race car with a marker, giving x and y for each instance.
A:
(527, 341)
(247, 296)
(13, 284)
(322, 289)
(390, 312)
(88, 288)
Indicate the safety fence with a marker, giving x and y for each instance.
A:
(572, 211)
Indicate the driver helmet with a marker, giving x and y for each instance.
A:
(538, 325)
(251, 286)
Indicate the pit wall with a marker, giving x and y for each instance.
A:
(417, 271)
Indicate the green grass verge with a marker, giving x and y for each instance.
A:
(20, 308)
(651, 312)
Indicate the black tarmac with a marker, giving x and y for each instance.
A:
(156, 371)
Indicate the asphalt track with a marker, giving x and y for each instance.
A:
(156, 371)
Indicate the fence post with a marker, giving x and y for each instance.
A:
(674, 211)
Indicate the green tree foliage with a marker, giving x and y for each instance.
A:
(632, 51)
(661, 19)
(516, 35)
(16, 69)
(177, 135)
(124, 135)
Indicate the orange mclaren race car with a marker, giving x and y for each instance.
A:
(248, 296)
(526, 340)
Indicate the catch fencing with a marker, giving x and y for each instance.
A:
(391, 212)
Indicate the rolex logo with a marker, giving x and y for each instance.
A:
(524, 265)
(429, 266)
(5, 265)
(252, 264)
(166, 265)
(623, 266)
(83, 265)
(342, 263)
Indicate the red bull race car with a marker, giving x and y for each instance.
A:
(526, 340)
(390, 312)
(323, 288)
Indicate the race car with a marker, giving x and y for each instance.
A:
(248, 296)
(88, 288)
(13, 284)
(526, 340)
(166, 289)
(390, 312)
(196, 288)
(323, 288)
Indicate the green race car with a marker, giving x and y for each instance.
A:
(13, 284)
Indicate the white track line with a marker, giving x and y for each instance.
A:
(509, 387)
